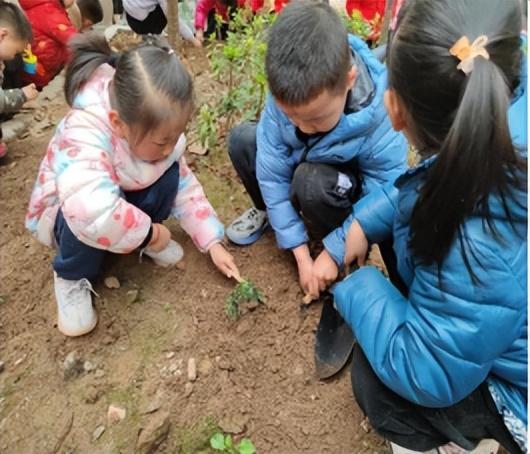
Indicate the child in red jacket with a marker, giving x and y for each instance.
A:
(52, 29)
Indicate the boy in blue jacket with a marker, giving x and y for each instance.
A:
(323, 140)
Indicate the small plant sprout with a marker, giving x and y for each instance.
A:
(244, 291)
(224, 443)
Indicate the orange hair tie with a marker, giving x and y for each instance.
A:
(467, 52)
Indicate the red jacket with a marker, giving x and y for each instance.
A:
(368, 8)
(52, 30)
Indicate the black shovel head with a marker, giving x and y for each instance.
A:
(334, 342)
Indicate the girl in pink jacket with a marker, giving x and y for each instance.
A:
(115, 170)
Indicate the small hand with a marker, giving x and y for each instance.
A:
(356, 247)
(308, 281)
(160, 238)
(224, 261)
(325, 270)
(31, 92)
(199, 35)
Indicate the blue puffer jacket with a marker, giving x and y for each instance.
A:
(439, 344)
(365, 135)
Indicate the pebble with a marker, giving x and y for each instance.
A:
(115, 414)
(188, 389)
(98, 432)
(73, 365)
(192, 370)
(170, 355)
(225, 365)
(89, 366)
(111, 282)
(19, 360)
(205, 367)
(131, 296)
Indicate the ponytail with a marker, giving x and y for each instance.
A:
(476, 159)
(88, 52)
(461, 117)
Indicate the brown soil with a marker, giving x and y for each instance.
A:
(255, 376)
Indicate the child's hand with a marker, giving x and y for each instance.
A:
(307, 280)
(325, 270)
(224, 261)
(160, 238)
(199, 36)
(356, 247)
(30, 92)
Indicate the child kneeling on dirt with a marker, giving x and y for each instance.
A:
(323, 141)
(15, 35)
(114, 171)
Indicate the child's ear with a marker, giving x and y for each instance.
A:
(396, 111)
(3, 33)
(350, 78)
(118, 126)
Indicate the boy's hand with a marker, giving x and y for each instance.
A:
(308, 282)
(325, 270)
(224, 261)
(30, 92)
(160, 238)
(356, 247)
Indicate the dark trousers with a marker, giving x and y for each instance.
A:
(76, 260)
(317, 192)
(420, 428)
(154, 23)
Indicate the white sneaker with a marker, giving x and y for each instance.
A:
(75, 313)
(396, 449)
(171, 255)
(248, 227)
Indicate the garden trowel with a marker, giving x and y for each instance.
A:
(333, 342)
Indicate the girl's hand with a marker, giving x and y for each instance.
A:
(325, 270)
(160, 238)
(224, 261)
(356, 247)
(30, 92)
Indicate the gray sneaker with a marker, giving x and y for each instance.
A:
(248, 227)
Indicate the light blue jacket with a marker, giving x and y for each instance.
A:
(365, 135)
(441, 342)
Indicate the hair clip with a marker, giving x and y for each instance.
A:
(467, 52)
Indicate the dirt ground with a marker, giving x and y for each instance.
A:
(255, 377)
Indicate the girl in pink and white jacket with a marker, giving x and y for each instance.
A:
(114, 171)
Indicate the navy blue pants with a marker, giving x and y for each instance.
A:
(76, 260)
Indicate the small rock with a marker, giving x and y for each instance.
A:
(115, 414)
(131, 296)
(234, 425)
(111, 282)
(153, 434)
(73, 366)
(188, 389)
(252, 305)
(192, 370)
(88, 366)
(100, 373)
(98, 432)
(170, 355)
(151, 407)
(2, 366)
(205, 367)
(225, 365)
(19, 360)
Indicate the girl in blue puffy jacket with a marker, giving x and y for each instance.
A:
(444, 365)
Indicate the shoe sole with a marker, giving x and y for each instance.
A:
(249, 239)
(69, 333)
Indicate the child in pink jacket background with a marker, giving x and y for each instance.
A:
(114, 171)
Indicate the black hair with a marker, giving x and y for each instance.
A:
(307, 52)
(148, 83)
(463, 118)
(11, 16)
(91, 10)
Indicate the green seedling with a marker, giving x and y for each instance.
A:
(244, 291)
(224, 443)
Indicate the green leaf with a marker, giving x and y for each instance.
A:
(217, 442)
(245, 446)
(228, 443)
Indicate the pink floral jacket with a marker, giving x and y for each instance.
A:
(85, 170)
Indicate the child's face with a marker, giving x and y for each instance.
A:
(10, 44)
(323, 112)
